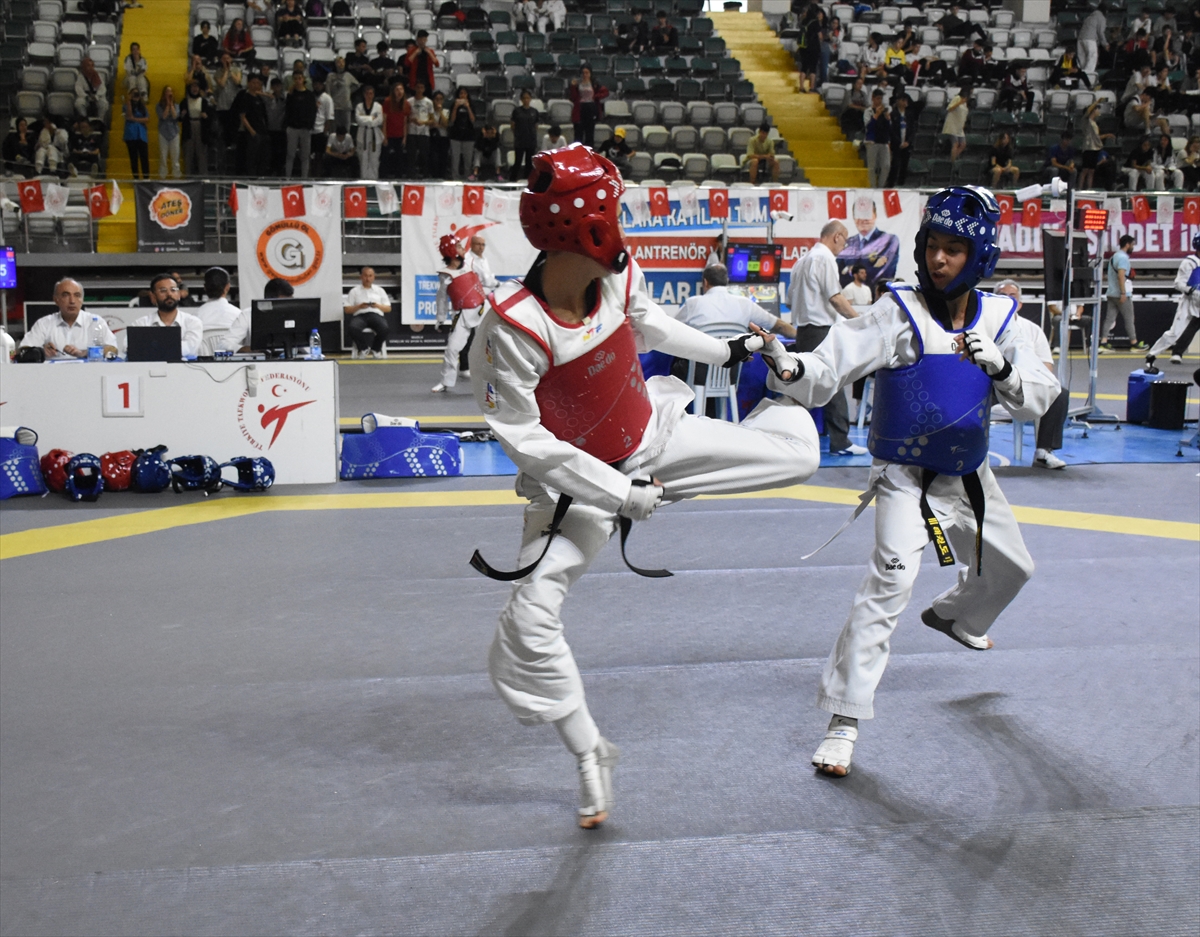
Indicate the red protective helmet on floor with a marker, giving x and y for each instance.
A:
(449, 247)
(54, 469)
(117, 469)
(572, 202)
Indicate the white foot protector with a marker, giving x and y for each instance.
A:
(595, 783)
(838, 747)
(438, 388)
(952, 630)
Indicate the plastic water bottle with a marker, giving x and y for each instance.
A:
(314, 345)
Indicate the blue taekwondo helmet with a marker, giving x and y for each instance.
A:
(969, 212)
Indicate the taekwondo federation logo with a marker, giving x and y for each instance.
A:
(489, 397)
(261, 423)
(290, 250)
(593, 331)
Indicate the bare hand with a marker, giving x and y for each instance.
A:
(49, 349)
(74, 352)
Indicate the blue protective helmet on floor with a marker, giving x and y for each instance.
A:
(196, 473)
(968, 212)
(150, 472)
(85, 480)
(20, 469)
(253, 474)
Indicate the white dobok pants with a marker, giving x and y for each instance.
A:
(860, 655)
(530, 662)
(1183, 315)
(459, 336)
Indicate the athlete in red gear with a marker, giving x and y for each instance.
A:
(555, 371)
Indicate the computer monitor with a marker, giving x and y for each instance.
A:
(8, 268)
(153, 343)
(754, 263)
(283, 324)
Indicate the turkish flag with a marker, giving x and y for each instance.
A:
(779, 200)
(354, 201)
(1086, 205)
(472, 203)
(1031, 213)
(293, 201)
(1191, 211)
(891, 203)
(233, 199)
(835, 199)
(1141, 208)
(1006, 208)
(660, 203)
(718, 203)
(31, 196)
(97, 198)
(414, 200)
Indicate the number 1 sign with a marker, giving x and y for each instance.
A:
(121, 396)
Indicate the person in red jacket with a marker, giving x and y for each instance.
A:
(420, 61)
(395, 128)
(587, 97)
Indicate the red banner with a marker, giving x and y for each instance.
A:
(32, 199)
(97, 198)
(1031, 213)
(354, 201)
(1141, 208)
(718, 203)
(1006, 208)
(836, 201)
(660, 203)
(414, 200)
(891, 203)
(472, 200)
(1191, 211)
(779, 200)
(293, 201)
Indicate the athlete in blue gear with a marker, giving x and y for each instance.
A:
(876, 250)
(941, 353)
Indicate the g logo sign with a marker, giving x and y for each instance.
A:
(290, 250)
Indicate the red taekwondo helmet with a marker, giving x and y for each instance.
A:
(449, 247)
(572, 202)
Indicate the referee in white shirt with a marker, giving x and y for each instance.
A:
(69, 332)
(365, 308)
(716, 305)
(816, 301)
(164, 290)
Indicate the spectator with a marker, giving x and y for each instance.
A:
(878, 141)
(91, 94)
(300, 116)
(1120, 292)
(587, 105)
(553, 138)
(196, 131)
(1091, 38)
(954, 126)
(383, 68)
(760, 154)
(135, 70)
(816, 300)
(664, 38)
(954, 26)
(1062, 160)
(69, 332)
(895, 62)
(900, 137)
(237, 41)
(1139, 80)
(1139, 167)
(19, 147)
(1067, 73)
(857, 292)
(259, 12)
(341, 10)
(1015, 93)
(164, 291)
(439, 140)
(634, 35)
(315, 9)
(1106, 172)
(1137, 49)
(358, 63)
(396, 111)
(971, 66)
(341, 158)
(205, 45)
(254, 140)
(322, 127)
(617, 150)
(298, 70)
(217, 312)
(289, 24)
(168, 133)
(84, 151)
(1092, 144)
(137, 134)
(524, 127)
(813, 36)
(870, 58)
(716, 305)
(365, 308)
(420, 61)
(198, 74)
(557, 11)
(185, 297)
(487, 154)
(462, 135)
(368, 117)
(420, 120)
(1165, 166)
(229, 86)
(275, 103)
(341, 86)
(1188, 162)
(853, 119)
(1000, 162)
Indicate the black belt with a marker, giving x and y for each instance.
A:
(477, 561)
(974, 489)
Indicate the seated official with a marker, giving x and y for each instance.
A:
(365, 308)
(69, 332)
(237, 339)
(164, 291)
(716, 305)
(218, 312)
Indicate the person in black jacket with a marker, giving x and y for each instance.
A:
(195, 125)
(300, 113)
(525, 141)
(634, 37)
(206, 45)
(664, 38)
(254, 140)
(904, 128)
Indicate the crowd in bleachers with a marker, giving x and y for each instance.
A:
(1108, 90)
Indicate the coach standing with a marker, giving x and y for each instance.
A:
(816, 301)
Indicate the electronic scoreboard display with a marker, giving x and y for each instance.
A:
(8, 268)
(754, 263)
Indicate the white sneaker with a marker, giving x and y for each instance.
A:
(838, 747)
(438, 388)
(1176, 359)
(1047, 459)
(466, 373)
(595, 783)
(852, 449)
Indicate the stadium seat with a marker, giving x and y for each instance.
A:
(671, 114)
(650, 65)
(640, 166)
(500, 111)
(643, 112)
(633, 86)
(661, 89)
(725, 114)
(554, 87)
(753, 114)
(61, 104)
(656, 137)
(488, 62)
(617, 111)
(569, 64)
(543, 62)
(63, 79)
(739, 137)
(559, 112)
(602, 134)
(676, 65)
(30, 103)
(37, 78)
(725, 167)
(713, 140)
(684, 138)
(695, 166)
(668, 165)
(561, 42)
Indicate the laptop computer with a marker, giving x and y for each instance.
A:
(154, 343)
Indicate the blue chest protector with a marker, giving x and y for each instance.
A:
(934, 414)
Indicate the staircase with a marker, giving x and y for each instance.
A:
(814, 137)
(161, 27)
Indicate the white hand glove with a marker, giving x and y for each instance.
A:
(642, 500)
(779, 360)
(983, 352)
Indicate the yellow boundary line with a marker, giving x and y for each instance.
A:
(80, 533)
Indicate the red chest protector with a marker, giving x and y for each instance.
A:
(465, 291)
(593, 396)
